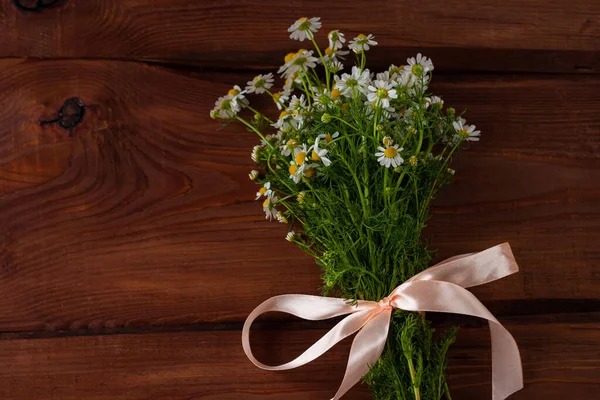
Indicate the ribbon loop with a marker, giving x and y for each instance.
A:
(440, 288)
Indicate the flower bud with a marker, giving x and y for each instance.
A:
(326, 118)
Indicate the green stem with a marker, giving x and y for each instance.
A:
(312, 38)
(413, 377)
(259, 113)
(253, 128)
(447, 391)
(345, 122)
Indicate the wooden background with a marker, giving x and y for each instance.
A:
(132, 251)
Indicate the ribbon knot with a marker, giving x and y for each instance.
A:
(385, 303)
(441, 288)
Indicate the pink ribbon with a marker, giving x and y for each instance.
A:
(440, 288)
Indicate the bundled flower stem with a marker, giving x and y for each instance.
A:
(352, 164)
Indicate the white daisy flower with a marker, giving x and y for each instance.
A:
(237, 96)
(253, 174)
(280, 99)
(395, 71)
(381, 92)
(269, 207)
(287, 60)
(465, 132)
(300, 154)
(225, 107)
(302, 60)
(285, 121)
(265, 190)
(297, 109)
(332, 54)
(310, 170)
(319, 154)
(304, 28)
(384, 76)
(297, 104)
(290, 236)
(288, 147)
(269, 139)
(281, 218)
(336, 67)
(323, 97)
(405, 79)
(433, 100)
(327, 137)
(260, 83)
(336, 39)
(255, 154)
(355, 81)
(419, 66)
(362, 43)
(390, 156)
(295, 172)
(288, 86)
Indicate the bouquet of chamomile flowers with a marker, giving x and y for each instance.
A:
(352, 162)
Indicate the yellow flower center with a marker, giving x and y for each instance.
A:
(283, 114)
(310, 172)
(328, 51)
(304, 24)
(290, 144)
(300, 157)
(289, 57)
(387, 141)
(315, 156)
(390, 152)
(233, 92)
(262, 190)
(361, 37)
(266, 203)
(463, 132)
(293, 169)
(335, 94)
(328, 138)
(417, 69)
(301, 51)
(382, 93)
(226, 104)
(257, 77)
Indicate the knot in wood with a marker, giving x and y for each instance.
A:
(70, 114)
(34, 5)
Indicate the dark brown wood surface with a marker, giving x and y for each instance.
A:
(515, 35)
(132, 250)
(559, 355)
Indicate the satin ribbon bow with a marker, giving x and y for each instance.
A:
(440, 288)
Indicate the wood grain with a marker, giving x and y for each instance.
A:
(560, 355)
(145, 216)
(515, 35)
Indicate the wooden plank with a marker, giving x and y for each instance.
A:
(145, 216)
(560, 355)
(560, 36)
